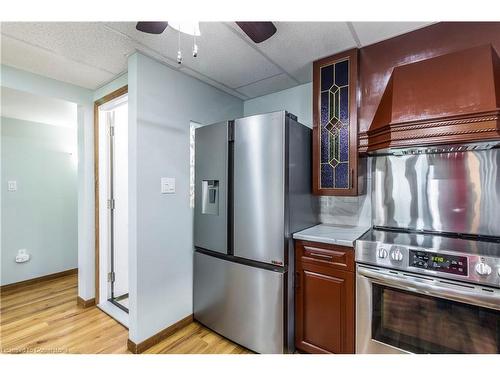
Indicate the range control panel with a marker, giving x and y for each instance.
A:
(453, 264)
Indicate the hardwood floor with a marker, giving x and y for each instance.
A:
(44, 318)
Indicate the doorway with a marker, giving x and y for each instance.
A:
(112, 204)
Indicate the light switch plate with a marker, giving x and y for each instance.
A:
(168, 185)
(12, 185)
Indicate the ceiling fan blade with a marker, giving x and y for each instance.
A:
(258, 31)
(151, 27)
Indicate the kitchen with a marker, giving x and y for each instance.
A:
(428, 163)
(340, 197)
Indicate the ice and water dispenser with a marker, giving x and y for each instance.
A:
(210, 197)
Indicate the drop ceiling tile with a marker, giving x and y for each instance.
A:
(86, 42)
(304, 74)
(223, 55)
(217, 85)
(373, 32)
(297, 44)
(267, 86)
(40, 61)
(92, 53)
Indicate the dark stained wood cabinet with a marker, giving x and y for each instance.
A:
(324, 298)
(335, 125)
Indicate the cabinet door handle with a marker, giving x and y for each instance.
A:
(329, 257)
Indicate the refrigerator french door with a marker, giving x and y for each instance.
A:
(251, 193)
(259, 188)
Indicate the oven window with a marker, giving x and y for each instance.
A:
(425, 324)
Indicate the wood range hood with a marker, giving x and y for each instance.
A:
(445, 103)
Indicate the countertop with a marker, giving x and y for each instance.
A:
(343, 235)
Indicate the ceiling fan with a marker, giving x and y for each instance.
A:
(257, 31)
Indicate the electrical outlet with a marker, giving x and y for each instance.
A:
(167, 185)
(22, 256)
(12, 185)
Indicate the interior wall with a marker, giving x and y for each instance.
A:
(43, 86)
(41, 216)
(297, 100)
(162, 103)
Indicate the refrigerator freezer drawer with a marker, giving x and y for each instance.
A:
(240, 302)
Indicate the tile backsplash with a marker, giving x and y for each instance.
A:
(348, 210)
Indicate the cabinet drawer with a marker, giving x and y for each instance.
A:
(339, 257)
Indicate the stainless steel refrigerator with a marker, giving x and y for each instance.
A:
(252, 192)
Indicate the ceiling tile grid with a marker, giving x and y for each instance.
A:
(222, 56)
(296, 44)
(90, 54)
(86, 42)
(373, 32)
(40, 61)
(271, 84)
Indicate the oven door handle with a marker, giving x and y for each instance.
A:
(474, 295)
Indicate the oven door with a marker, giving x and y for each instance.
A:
(398, 312)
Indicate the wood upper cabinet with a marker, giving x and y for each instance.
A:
(324, 298)
(335, 125)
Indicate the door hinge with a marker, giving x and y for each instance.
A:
(111, 131)
(111, 277)
(111, 204)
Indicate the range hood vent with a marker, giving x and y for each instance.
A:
(439, 149)
(439, 104)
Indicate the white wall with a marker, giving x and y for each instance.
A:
(43, 86)
(297, 100)
(162, 102)
(41, 216)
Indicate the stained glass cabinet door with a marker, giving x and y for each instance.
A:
(335, 125)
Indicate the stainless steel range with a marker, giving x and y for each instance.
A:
(422, 286)
(425, 293)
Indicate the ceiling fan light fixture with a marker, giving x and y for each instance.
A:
(186, 27)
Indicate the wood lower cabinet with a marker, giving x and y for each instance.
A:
(324, 298)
